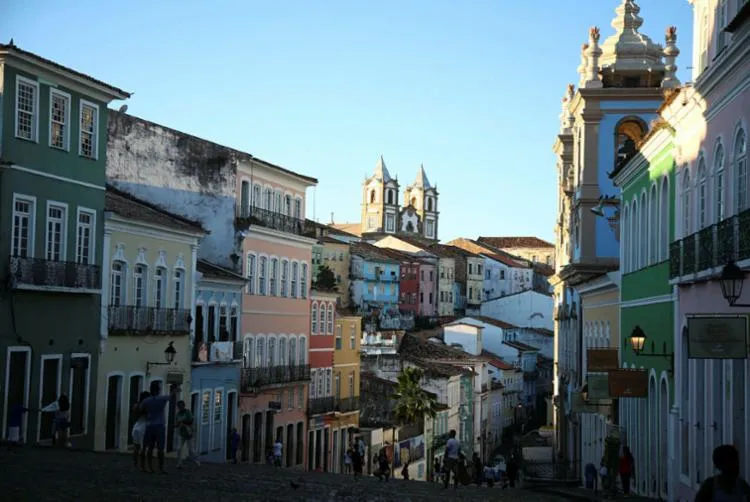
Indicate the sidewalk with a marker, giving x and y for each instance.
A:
(582, 494)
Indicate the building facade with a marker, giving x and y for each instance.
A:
(533, 249)
(375, 278)
(52, 182)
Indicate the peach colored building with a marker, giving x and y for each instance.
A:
(277, 250)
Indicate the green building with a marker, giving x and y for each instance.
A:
(647, 300)
(53, 127)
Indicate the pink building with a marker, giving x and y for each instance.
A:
(427, 289)
(711, 119)
(276, 309)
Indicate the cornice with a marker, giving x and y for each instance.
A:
(720, 70)
(282, 237)
(115, 223)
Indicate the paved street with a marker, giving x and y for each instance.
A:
(39, 475)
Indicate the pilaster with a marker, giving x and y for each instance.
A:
(106, 280)
(193, 288)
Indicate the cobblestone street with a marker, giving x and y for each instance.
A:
(39, 475)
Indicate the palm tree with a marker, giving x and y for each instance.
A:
(412, 402)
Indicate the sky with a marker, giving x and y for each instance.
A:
(470, 89)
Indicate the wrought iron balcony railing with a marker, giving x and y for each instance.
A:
(40, 273)
(250, 215)
(711, 247)
(128, 319)
(331, 404)
(257, 378)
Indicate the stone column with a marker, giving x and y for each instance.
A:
(593, 53)
(671, 52)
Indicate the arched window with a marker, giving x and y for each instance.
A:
(664, 229)
(330, 319)
(271, 351)
(372, 196)
(322, 318)
(160, 288)
(740, 163)
(314, 319)
(633, 241)
(257, 201)
(260, 351)
(414, 201)
(282, 351)
(628, 133)
(429, 203)
(288, 205)
(643, 244)
(702, 187)
(719, 197)
(686, 220)
(390, 196)
(292, 350)
(179, 288)
(624, 238)
(302, 354)
(653, 225)
(249, 352)
(139, 286)
(117, 286)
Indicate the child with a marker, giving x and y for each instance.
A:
(138, 431)
(348, 460)
(235, 444)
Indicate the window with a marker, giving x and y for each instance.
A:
(284, 278)
(653, 227)
(704, 41)
(245, 199)
(664, 235)
(303, 282)
(268, 199)
(179, 277)
(430, 228)
(302, 353)
(55, 244)
(234, 318)
(701, 193)
(719, 202)
(27, 109)
(337, 385)
(429, 203)
(211, 323)
(330, 319)
(288, 205)
(351, 384)
(390, 222)
(262, 275)
(277, 202)
(721, 23)
(218, 407)
(89, 128)
(372, 222)
(139, 286)
(205, 407)
(298, 208)
(250, 273)
(257, 201)
(274, 276)
(291, 401)
(160, 287)
(740, 162)
(685, 202)
(23, 227)
(352, 336)
(85, 237)
(339, 335)
(59, 115)
(223, 323)
(293, 286)
(314, 319)
(80, 377)
(117, 287)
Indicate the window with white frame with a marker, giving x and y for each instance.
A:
(314, 319)
(430, 228)
(234, 320)
(288, 205)
(643, 242)
(268, 199)
(257, 201)
(139, 286)
(303, 281)
(298, 208)
(302, 350)
(274, 280)
(85, 237)
(322, 318)
(205, 407)
(260, 352)
(390, 222)
(664, 220)
(283, 356)
(89, 129)
(292, 350)
(218, 409)
(223, 323)
(271, 343)
(160, 287)
(704, 40)
(59, 117)
(262, 272)
(284, 278)
(351, 384)
(686, 220)
(653, 238)
(740, 163)
(719, 198)
(250, 273)
(633, 237)
(55, 243)
(245, 199)
(295, 274)
(117, 288)
(337, 385)
(277, 202)
(353, 336)
(330, 319)
(23, 227)
(702, 188)
(27, 109)
(179, 286)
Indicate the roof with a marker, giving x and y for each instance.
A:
(399, 255)
(487, 250)
(541, 331)
(545, 270)
(353, 228)
(130, 207)
(12, 48)
(464, 323)
(212, 271)
(495, 361)
(523, 347)
(516, 242)
(427, 355)
(370, 252)
(494, 322)
(328, 229)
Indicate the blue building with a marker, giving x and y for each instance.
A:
(217, 358)
(374, 280)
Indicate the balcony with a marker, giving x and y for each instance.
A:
(530, 376)
(710, 248)
(40, 274)
(218, 352)
(248, 216)
(330, 404)
(130, 320)
(253, 379)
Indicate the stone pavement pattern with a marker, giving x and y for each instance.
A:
(42, 475)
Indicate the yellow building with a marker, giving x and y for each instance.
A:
(348, 335)
(335, 255)
(147, 312)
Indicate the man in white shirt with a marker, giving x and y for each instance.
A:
(277, 453)
(450, 459)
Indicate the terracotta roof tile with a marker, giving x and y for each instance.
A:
(370, 252)
(489, 251)
(516, 242)
(494, 322)
(128, 206)
(495, 361)
(523, 347)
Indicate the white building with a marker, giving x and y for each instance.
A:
(526, 309)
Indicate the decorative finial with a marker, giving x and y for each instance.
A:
(670, 80)
(671, 34)
(571, 90)
(592, 79)
(594, 34)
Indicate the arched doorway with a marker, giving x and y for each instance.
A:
(663, 437)
(246, 432)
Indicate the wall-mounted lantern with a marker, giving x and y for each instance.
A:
(731, 281)
(638, 342)
(169, 354)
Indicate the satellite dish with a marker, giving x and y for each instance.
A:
(123, 108)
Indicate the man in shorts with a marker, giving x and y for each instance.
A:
(156, 423)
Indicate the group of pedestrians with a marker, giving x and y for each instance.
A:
(354, 458)
(60, 409)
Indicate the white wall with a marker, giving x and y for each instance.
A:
(468, 337)
(526, 309)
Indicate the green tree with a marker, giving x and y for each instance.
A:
(413, 403)
(326, 280)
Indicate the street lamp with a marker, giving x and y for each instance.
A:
(169, 354)
(638, 342)
(731, 280)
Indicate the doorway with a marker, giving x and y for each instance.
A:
(326, 448)
(134, 393)
(257, 437)
(50, 392)
(231, 422)
(114, 397)
(17, 384)
(289, 443)
(246, 431)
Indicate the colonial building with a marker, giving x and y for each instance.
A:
(382, 214)
(53, 150)
(620, 88)
(375, 285)
(711, 122)
(528, 248)
(146, 317)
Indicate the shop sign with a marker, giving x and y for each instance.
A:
(720, 337)
(628, 383)
(598, 387)
(602, 360)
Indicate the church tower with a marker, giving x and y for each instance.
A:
(420, 211)
(380, 201)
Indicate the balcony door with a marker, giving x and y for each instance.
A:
(50, 378)
(113, 412)
(17, 381)
(136, 387)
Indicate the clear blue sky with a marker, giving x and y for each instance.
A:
(470, 88)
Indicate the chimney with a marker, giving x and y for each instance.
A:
(331, 217)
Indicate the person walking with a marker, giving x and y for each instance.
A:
(357, 461)
(405, 471)
(626, 469)
(235, 444)
(450, 459)
(138, 431)
(384, 466)
(277, 449)
(60, 421)
(184, 424)
(348, 460)
(727, 486)
(154, 406)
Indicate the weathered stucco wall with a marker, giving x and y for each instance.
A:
(183, 174)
